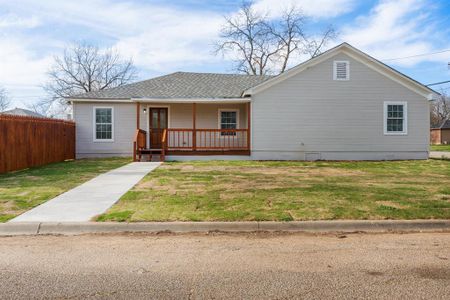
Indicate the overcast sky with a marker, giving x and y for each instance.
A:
(167, 36)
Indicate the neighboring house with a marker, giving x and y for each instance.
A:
(441, 135)
(340, 105)
(22, 112)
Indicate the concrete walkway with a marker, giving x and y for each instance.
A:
(440, 154)
(91, 198)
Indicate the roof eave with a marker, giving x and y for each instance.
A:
(98, 99)
(163, 100)
(192, 100)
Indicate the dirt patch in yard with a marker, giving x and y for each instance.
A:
(392, 204)
(9, 208)
(287, 171)
(282, 191)
(157, 186)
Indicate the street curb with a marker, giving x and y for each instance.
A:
(19, 228)
(9, 229)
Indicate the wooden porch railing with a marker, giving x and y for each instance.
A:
(191, 140)
(163, 144)
(185, 139)
(139, 143)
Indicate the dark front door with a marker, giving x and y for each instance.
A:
(158, 122)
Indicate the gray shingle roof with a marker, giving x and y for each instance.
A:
(182, 85)
(22, 112)
(445, 125)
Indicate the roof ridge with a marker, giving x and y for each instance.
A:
(444, 123)
(216, 73)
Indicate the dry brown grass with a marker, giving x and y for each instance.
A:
(289, 191)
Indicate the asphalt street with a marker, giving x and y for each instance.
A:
(224, 266)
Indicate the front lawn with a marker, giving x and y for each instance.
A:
(22, 190)
(440, 148)
(284, 191)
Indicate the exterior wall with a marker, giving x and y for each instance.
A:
(124, 114)
(311, 116)
(445, 136)
(207, 117)
(180, 115)
(435, 136)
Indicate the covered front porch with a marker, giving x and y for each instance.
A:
(202, 127)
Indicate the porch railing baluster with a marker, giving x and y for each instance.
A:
(186, 139)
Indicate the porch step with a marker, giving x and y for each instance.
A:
(150, 151)
(151, 154)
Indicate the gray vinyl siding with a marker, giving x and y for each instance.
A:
(180, 116)
(312, 116)
(124, 129)
(308, 116)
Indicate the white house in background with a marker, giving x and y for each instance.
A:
(340, 105)
(22, 112)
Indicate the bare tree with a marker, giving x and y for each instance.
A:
(247, 34)
(440, 110)
(5, 102)
(314, 47)
(263, 46)
(86, 68)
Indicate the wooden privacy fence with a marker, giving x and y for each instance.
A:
(28, 142)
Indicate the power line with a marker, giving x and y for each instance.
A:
(436, 83)
(417, 55)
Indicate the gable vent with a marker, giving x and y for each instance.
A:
(341, 70)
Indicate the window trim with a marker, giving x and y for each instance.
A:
(405, 117)
(335, 70)
(94, 123)
(219, 117)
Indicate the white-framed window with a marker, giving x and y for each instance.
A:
(341, 70)
(228, 119)
(103, 124)
(395, 118)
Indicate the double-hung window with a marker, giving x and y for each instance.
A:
(103, 124)
(228, 119)
(395, 118)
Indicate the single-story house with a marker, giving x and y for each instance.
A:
(22, 112)
(340, 105)
(441, 134)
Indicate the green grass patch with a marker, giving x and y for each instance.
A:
(120, 216)
(440, 148)
(286, 191)
(23, 190)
